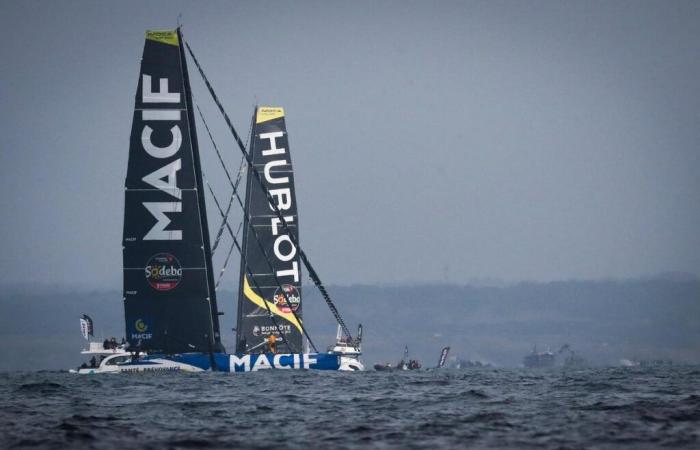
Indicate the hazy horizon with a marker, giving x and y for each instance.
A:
(30, 287)
(457, 141)
(603, 322)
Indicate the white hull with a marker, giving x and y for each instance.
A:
(154, 365)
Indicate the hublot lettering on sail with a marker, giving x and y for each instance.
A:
(265, 242)
(165, 230)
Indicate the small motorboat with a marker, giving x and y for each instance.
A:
(403, 364)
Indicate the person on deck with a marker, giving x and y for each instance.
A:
(271, 343)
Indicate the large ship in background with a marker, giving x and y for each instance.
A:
(539, 359)
(170, 303)
(548, 359)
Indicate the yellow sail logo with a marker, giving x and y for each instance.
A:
(140, 326)
(164, 36)
(266, 113)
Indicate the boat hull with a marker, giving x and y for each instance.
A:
(234, 363)
(264, 361)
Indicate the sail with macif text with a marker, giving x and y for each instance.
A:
(270, 279)
(169, 300)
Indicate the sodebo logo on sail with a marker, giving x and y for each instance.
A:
(163, 272)
(164, 178)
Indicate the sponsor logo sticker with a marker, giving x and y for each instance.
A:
(266, 330)
(140, 325)
(292, 295)
(163, 272)
(141, 329)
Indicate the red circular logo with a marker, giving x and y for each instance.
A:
(292, 295)
(163, 272)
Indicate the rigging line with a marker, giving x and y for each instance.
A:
(274, 274)
(218, 153)
(228, 257)
(259, 241)
(220, 232)
(312, 273)
(247, 268)
(257, 238)
(228, 175)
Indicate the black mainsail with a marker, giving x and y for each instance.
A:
(169, 298)
(269, 254)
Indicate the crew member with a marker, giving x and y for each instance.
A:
(271, 343)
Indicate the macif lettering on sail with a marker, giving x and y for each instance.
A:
(158, 118)
(268, 249)
(167, 270)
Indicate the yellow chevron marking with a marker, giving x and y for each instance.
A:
(255, 298)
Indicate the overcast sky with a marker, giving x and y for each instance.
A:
(431, 140)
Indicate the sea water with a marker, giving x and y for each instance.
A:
(503, 408)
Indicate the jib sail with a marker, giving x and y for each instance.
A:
(270, 268)
(169, 300)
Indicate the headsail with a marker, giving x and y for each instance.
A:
(169, 300)
(269, 253)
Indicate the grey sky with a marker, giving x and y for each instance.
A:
(511, 140)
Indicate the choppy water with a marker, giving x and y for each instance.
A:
(515, 408)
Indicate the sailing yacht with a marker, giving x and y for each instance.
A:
(170, 300)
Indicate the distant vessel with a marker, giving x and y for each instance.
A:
(646, 362)
(572, 360)
(170, 302)
(404, 364)
(104, 356)
(467, 364)
(539, 359)
(629, 363)
(548, 359)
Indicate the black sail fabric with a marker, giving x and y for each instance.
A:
(168, 297)
(268, 252)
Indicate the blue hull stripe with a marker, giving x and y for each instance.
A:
(253, 362)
